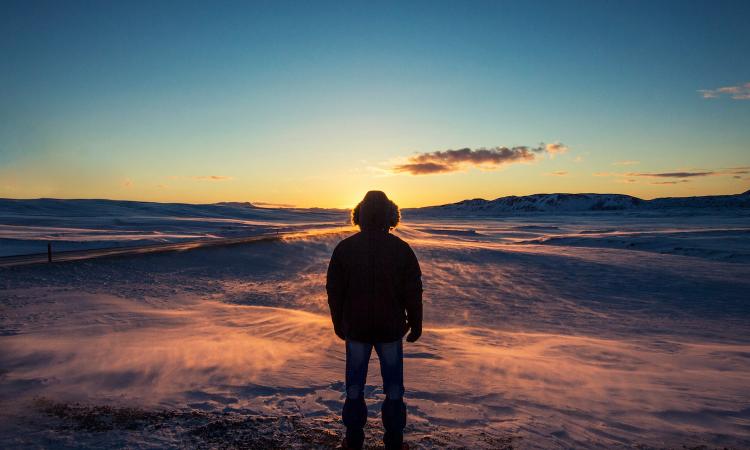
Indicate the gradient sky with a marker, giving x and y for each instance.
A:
(313, 103)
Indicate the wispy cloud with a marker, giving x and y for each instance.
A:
(677, 176)
(560, 173)
(670, 182)
(556, 149)
(203, 178)
(212, 178)
(671, 174)
(738, 92)
(625, 163)
(489, 158)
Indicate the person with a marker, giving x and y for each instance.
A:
(374, 287)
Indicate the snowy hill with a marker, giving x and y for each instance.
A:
(52, 207)
(580, 202)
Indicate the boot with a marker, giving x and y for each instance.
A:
(354, 417)
(394, 421)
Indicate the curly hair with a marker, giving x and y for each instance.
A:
(376, 211)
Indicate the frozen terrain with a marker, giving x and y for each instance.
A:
(565, 203)
(26, 226)
(577, 330)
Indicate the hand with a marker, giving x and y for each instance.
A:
(414, 334)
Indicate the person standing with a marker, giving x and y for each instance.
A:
(374, 287)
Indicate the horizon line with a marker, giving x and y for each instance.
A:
(262, 204)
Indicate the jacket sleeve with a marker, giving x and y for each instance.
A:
(412, 291)
(335, 287)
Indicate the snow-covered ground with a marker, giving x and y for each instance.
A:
(598, 330)
(26, 226)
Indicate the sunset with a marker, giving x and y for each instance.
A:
(262, 101)
(389, 225)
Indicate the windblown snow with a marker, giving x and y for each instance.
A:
(26, 226)
(609, 329)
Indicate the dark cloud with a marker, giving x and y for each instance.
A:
(453, 160)
(672, 174)
(683, 176)
(423, 168)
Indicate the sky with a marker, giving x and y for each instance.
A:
(314, 103)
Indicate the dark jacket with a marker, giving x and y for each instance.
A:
(374, 287)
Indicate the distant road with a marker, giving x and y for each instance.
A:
(75, 255)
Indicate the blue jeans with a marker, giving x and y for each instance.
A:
(391, 356)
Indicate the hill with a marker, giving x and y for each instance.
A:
(580, 202)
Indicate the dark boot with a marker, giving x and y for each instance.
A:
(354, 417)
(394, 421)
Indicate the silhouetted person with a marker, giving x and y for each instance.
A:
(374, 287)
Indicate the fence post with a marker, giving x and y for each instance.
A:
(49, 251)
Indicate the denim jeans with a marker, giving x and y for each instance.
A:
(391, 356)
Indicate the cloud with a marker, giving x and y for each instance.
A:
(556, 149)
(202, 178)
(625, 163)
(738, 92)
(212, 178)
(670, 182)
(560, 173)
(682, 175)
(424, 168)
(453, 160)
(672, 174)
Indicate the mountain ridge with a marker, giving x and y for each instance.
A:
(564, 202)
(554, 202)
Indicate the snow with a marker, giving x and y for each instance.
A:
(542, 331)
(562, 203)
(26, 226)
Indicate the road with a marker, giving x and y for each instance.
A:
(75, 255)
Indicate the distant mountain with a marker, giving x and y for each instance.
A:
(51, 207)
(580, 202)
(101, 208)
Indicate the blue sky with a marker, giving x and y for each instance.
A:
(313, 103)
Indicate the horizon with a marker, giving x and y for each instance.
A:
(262, 204)
(312, 105)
